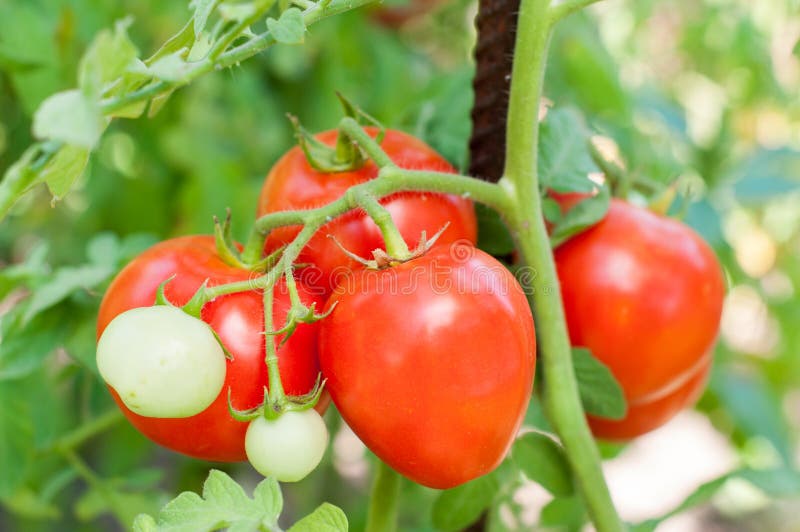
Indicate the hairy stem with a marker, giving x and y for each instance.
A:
(561, 398)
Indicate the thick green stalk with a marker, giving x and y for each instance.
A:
(383, 502)
(561, 398)
(389, 181)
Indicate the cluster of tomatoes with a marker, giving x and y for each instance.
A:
(430, 361)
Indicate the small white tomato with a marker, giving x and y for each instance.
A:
(288, 448)
(161, 361)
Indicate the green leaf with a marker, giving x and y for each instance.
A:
(26, 503)
(601, 394)
(224, 504)
(457, 508)
(268, 495)
(106, 59)
(290, 28)
(581, 217)
(144, 523)
(64, 168)
(69, 117)
(773, 482)
(326, 518)
(493, 235)
(63, 283)
(756, 409)
(18, 179)
(16, 440)
(564, 513)
(542, 460)
(180, 41)
(25, 343)
(202, 10)
(564, 157)
(170, 67)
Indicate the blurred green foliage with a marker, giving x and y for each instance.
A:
(704, 92)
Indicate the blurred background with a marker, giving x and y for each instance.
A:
(701, 91)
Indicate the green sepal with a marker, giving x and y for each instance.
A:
(322, 157)
(195, 305)
(226, 247)
(161, 296)
(268, 262)
(299, 403)
(251, 413)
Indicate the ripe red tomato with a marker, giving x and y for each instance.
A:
(294, 184)
(238, 320)
(644, 293)
(431, 362)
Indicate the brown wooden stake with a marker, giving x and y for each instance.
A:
(496, 23)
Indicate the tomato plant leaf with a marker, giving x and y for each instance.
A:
(106, 59)
(69, 117)
(63, 283)
(755, 408)
(290, 28)
(564, 157)
(223, 504)
(457, 508)
(600, 392)
(268, 495)
(25, 343)
(326, 518)
(774, 483)
(542, 460)
(563, 513)
(582, 216)
(16, 440)
(493, 235)
(67, 165)
(171, 67)
(202, 10)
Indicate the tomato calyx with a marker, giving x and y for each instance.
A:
(382, 260)
(193, 307)
(228, 250)
(346, 155)
(273, 408)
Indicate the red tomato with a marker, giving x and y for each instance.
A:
(644, 293)
(238, 320)
(294, 184)
(431, 362)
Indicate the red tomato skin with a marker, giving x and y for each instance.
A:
(644, 293)
(238, 319)
(293, 184)
(435, 380)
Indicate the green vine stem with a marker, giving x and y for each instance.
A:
(314, 13)
(561, 398)
(384, 498)
(87, 431)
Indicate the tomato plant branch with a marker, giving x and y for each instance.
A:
(383, 503)
(254, 45)
(276, 393)
(561, 398)
(86, 431)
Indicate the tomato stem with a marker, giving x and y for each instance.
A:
(382, 514)
(277, 397)
(396, 246)
(561, 399)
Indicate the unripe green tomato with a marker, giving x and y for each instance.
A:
(161, 361)
(288, 448)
